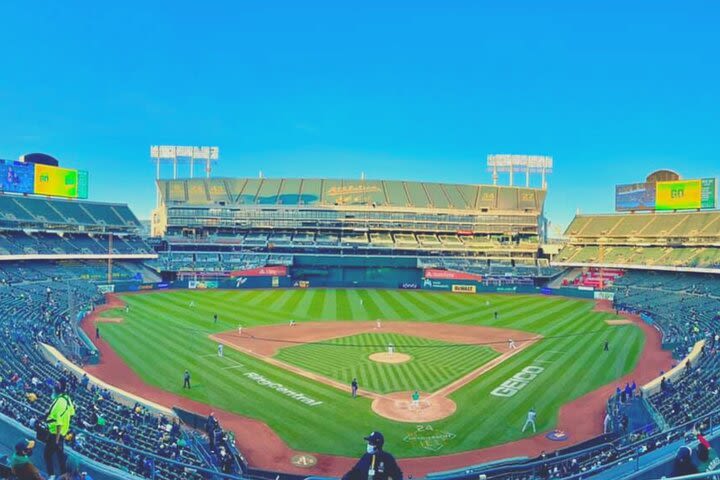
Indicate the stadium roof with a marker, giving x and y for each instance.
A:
(318, 192)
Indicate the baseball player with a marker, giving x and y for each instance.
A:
(354, 386)
(530, 420)
(191, 304)
(511, 344)
(378, 324)
(186, 379)
(220, 350)
(415, 399)
(215, 318)
(240, 330)
(391, 348)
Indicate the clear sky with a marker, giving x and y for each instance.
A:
(396, 89)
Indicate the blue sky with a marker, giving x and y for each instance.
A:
(396, 89)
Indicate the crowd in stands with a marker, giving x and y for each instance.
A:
(49, 243)
(104, 428)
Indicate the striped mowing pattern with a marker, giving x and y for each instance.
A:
(161, 336)
(434, 363)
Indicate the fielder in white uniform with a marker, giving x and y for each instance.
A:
(530, 420)
(220, 350)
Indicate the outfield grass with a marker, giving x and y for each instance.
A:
(434, 363)
(161, 336)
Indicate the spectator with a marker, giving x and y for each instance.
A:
(58, 421)
(375, 464)
(21, 464)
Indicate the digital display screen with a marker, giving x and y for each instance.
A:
(635, 197)
(60, 182)
(16, 177)
(685, 194)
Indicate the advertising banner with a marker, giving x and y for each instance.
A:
(435, 274)
(276, 271)
(464, 288)
(202, 284)
(16, 177)
(110, 288)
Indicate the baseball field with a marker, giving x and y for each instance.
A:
(450, 347)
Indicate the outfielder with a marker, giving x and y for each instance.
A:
(530, 420)
(220, 350)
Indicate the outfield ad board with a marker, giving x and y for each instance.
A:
(672, 195)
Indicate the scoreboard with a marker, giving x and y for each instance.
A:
(672, 195)
(39, 179)
(685, 194)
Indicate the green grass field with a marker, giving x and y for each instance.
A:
(161, 336)
(434, 363)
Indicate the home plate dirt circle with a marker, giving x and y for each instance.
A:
(399, 407)
(385, 357)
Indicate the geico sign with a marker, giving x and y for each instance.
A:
(518, 381)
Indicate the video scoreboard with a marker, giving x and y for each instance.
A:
(38, 179)
(672, 195)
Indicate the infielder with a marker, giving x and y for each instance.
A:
(530, 420)
(378, 324)
(511, 344)
(391, 348)
(240, 330)
(220, 350)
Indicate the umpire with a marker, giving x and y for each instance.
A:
(375, 464)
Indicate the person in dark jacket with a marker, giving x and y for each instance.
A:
(683, 464)
(375, 464)
(21, 464)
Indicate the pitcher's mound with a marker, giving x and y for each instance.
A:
(400, 407)
(385, 357)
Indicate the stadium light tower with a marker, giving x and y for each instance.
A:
(527, 164)
(176, 155)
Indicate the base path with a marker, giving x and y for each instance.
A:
(263, 342)
(264, 449)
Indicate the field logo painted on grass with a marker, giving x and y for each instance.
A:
(518, 381)
(426, 437)
(278, 387)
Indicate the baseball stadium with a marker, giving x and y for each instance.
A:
(261, 326)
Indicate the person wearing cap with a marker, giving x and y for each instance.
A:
(58, 422)
(21, 464)
(375, 464)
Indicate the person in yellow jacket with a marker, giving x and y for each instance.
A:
(58, 422)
